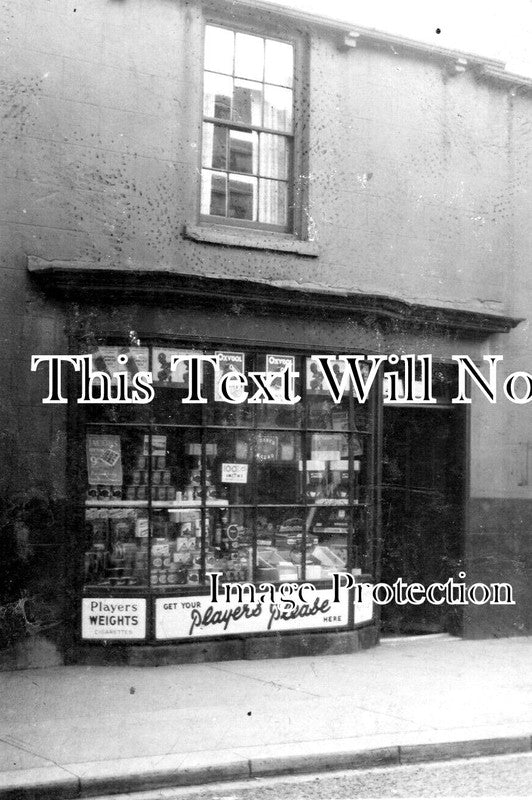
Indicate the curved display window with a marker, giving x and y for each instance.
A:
(256, 492)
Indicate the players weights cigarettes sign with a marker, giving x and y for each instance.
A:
(107, 618)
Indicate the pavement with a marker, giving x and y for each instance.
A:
(68, 732)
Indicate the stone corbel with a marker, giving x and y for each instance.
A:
(456, 67)
(348, 41)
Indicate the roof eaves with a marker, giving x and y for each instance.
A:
(353, 35)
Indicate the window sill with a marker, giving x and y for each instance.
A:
(254, 240)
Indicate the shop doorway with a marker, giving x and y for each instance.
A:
(423, 483)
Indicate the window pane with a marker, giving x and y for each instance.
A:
(273, 156)
(329, 518)
(217, 411)
(323, 412)
(219, 47)
(243, 151)
(242, 197)
(247, 102)
(229, 468)
(277, 458)
(279, 543)
(177, 494)
(104, 361)
(229, 543)
(317, 383)
(213, 193)
(116, 552)
(362, 417)
(249, 57)
(176, 547)
(328, 468)
(279, 63)
(330, 526)
(116, 532)
(273, 202)
(328, 447)
(171, 387)
(214, 150)
(168, 406)
(278, 108)
(280, 415)
(217, 93)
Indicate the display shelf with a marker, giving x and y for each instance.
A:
(324, 502)
(170, 504)
(116, 503)
(173, 505)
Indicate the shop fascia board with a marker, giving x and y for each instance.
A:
(352, 36)
(87, 281)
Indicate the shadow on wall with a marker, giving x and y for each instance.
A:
(31, 574)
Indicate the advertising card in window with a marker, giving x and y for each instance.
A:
(234, 473)
(267, 447)
(105, 359)
(316, 380)
(164, 375)
(317, 383)
(104, 460)
(158, 445)
(276, 363)
(229, 362)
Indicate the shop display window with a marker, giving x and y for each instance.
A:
(255, 492)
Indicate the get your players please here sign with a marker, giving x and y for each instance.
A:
(185, 617)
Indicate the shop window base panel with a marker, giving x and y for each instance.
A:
(233, 649)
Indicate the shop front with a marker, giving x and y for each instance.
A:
(263, 493)
(165, 494)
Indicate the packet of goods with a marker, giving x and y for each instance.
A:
(328, 560)
(162, 549)
(182, 557)
(187, 515)
(185, 543)
(265, 570)
(193, 576)
(287, 571)
(313, 569)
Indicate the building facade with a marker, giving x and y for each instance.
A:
(261, 186)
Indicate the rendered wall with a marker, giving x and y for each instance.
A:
(418, 189)
(409, 190)
(500, 543)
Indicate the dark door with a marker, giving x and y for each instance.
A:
(422, 510)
